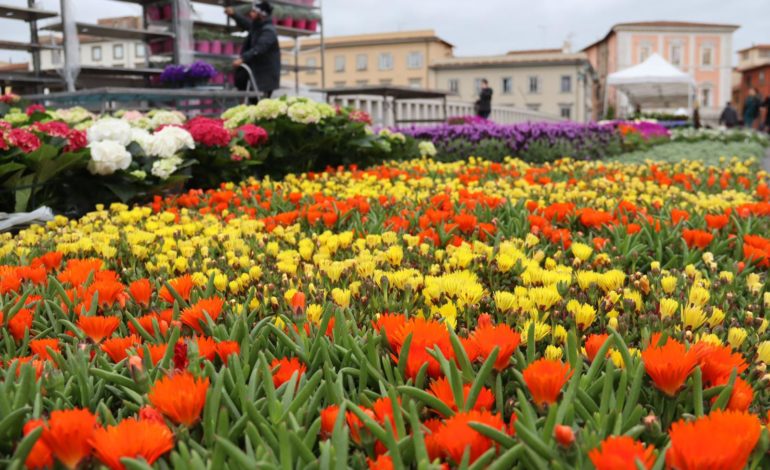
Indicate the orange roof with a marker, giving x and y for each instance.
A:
(535, 51)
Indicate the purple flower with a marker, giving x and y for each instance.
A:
(200, 70)
(173, 74)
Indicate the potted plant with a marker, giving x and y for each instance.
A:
(300, 18)
(287, 20)
(199, 73)
(173, 76)
(312, 22)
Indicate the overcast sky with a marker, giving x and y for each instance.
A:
(482, 26)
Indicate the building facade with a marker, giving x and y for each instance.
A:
(552, 81)
(702, 50)
(399, 59)
(753, 71)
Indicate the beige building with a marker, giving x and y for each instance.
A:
(401, 59)
(552, 81)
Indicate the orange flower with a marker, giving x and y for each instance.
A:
(195, 316)
(141, 291)
(545, 379)
(564, 435)
(390, 323)
(383, 462)
(117, 348)
(717, 222)
(503, 337)
(40, 456)
(384, 409)
(593, 344)
(622, 453)
(669, 365)
(40, 347)
(441, 389)
(132, 438)
(466, 222)
(97, 327)
(723, 440)
(284, 368)
(679, 215)
(225, 348)
(68, 434)
(718, 362)
(697, 238)
(20, 323)
(146, 322)
(50, 260)
(328, 418)
(455, 435)
(426, 335)
(741, 396)
(77, 271)
(157, 351)
(183, 286)
(298, 302)
(180, 397)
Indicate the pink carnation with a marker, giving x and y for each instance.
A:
(253, 135)
(53, 128)
(33, 108)
(76, 140)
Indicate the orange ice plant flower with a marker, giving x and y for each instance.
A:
(183, 286)
(456, 435)
(503, 337)
(441, 389)
(669, 365)
(593, 344)
(98, 327)
(284, 368)
(180, 397)
(722, 439)
(195, 316)
(141, 291)
(117, 348)
(40, 347)
(133, 438)
(622, 453)
(68, 435)
(545, 379)
(40, 455)
(718, 362)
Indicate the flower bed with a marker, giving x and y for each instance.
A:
(474, 313)
(532, 142)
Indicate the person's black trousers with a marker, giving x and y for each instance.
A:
(242, 82)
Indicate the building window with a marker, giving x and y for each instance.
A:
(386, 82)
(454, 85)
(117, 52)
(676, 54)
(339, 63)
(762, 78)
(311, 62)
(362, 82)
(477, 85)
(745, 55)
(414, 60)
(362, 62)
(96, 53)
(566, 84)
(765, 53)
(56, 57)
(507, 85)
(565, 111)
(415, 83)
(139, 49)
(706, 56)
(644, 52)
(748, 80)
(705, 97)
(533, 106)
(534, 85)
(386, 61)
(340, 83)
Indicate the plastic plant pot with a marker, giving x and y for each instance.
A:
(299, 23)
(228, 48)
(312, 25)
(203, 46)
(167, 12)
(216, 46)
(286, 22)
(153, 13)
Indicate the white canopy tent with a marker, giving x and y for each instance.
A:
(654, 83)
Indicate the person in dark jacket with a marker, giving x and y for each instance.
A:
(751, 108)
(766, 105)
(484, 103)
(260, 50)
(729, 116)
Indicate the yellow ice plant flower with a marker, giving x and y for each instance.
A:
(341, 297)
(585, 316)
(553, 353)
(314, 313)
(668, 284)
(698, 296)
(581, 251)
(710, 338)
(668, 307)
(612, 280)
(726, 276)
(587, 278)
(559, 334)
(448, 313)
(717, 317)
(635, 297)
(544, 297)
(394, 255)
(505, 301)
(541, 331)
(763, 352)
(693, 317)
(754, 283)
(736, 337)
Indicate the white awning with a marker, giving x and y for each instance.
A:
(654, 83)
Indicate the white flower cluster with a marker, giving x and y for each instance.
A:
(165, 167)
(162, 117)
(169, 141)
(427, 149)
(108, 139)
(300, 110)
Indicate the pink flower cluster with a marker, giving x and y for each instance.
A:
(253, 135)
(76, 139)
(209, 132)
(21, 138)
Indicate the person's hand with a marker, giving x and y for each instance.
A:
(229, 11)
(237, 62)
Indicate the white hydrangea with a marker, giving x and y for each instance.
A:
(166, 118)
(169, 141)
(270, 109)
(73, 115)
(304, 113)
(427, 149)
(143, 138)
(326, 110)
(111, 129)
(165, 167)
(107, 157)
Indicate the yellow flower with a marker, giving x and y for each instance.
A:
(717, 317)
(553, 353)
(699, 296)
(612, 280)
(668, 283)
(710, 338)
(394, 255)
(314, 312)
(559, 334)
(581, 251)
(585, 316)
(341, 297)
(736, 337)
(693, 317)
(505, 301)
(448, 312)
(668, 307)
(726, 276)
(541, 331)
(763, 352)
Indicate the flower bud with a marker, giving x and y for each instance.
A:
(564, 435)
